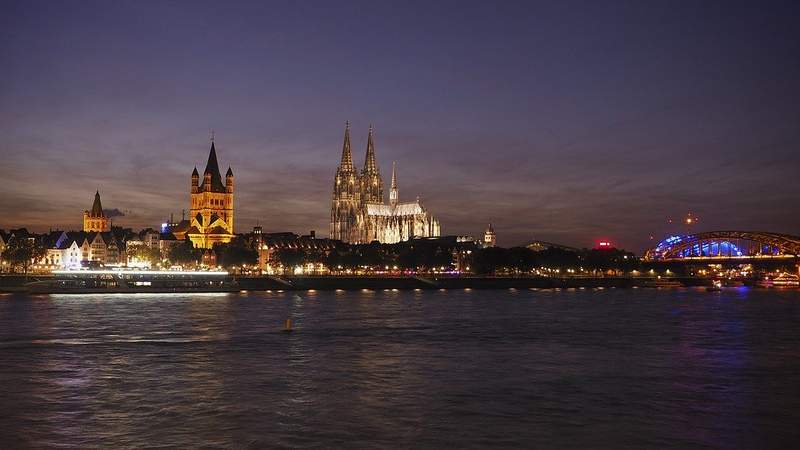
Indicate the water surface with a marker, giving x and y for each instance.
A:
(636, 368)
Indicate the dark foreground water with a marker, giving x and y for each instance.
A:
(548, 369)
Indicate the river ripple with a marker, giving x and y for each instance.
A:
(636, 368)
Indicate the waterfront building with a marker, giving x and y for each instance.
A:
(489, 237)
(209, 258)
(95, 219)
(359, 213)
(147, 237)
(269, 245)
(211, 209)
(70, 249)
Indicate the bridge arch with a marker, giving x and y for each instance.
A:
(725, 244)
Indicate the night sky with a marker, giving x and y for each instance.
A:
(560, 121)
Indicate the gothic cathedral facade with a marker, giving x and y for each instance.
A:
(359, 213)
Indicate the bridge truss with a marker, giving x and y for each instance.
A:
(726, 245)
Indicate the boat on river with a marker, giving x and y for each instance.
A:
(661, 283)
(784, 280)
(133, 281)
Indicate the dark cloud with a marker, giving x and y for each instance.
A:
(113, 213)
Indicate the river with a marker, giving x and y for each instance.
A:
(613, 368)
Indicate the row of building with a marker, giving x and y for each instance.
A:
(360, 213)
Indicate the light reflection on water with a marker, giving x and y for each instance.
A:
(381, 368)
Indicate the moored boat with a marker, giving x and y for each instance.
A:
(133, 281)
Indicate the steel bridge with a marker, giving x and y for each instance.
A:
(725, 245)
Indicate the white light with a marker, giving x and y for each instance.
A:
(138, 272)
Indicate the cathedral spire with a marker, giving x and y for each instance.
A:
(394, 175)
(347, 155)
(370, 166)
(393, 190)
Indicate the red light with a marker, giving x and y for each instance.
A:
(604, 245)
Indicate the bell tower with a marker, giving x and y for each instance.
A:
(211, 212)
(346, 194)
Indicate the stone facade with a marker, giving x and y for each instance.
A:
(96, 220)
(211, 209)
(359, 213)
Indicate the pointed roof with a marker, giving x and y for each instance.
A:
(194, 172)
(97, 207)
(212, 167)
(370, 166)
(347, 155)
(229, 173)
(394, 175)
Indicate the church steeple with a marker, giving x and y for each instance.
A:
(212, 168)
(347, 154)
(393, 190)
(97, 207)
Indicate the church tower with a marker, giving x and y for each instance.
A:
(489, 237)
(346, 194)
(211, 209)
(96, 220)
(371, 181)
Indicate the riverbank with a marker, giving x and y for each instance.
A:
(265, 283)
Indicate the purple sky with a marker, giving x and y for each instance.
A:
(560, 121)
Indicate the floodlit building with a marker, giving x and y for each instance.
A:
(211, 211)
(489, 237)
(95, 219)
(359, 213)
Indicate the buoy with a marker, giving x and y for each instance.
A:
(287, 327)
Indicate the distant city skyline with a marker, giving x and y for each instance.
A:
(566, 122)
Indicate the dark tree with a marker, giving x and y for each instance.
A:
(185, 253)
(22, 252)
(290, 257)
(237, 252)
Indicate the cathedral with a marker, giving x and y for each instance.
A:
(211, 209)
(359, 213)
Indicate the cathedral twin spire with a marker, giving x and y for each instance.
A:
(370, 165)
(347, 154)
(370, 162)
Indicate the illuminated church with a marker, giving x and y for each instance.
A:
(211, 211)
(95, 219)
(359, 213)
